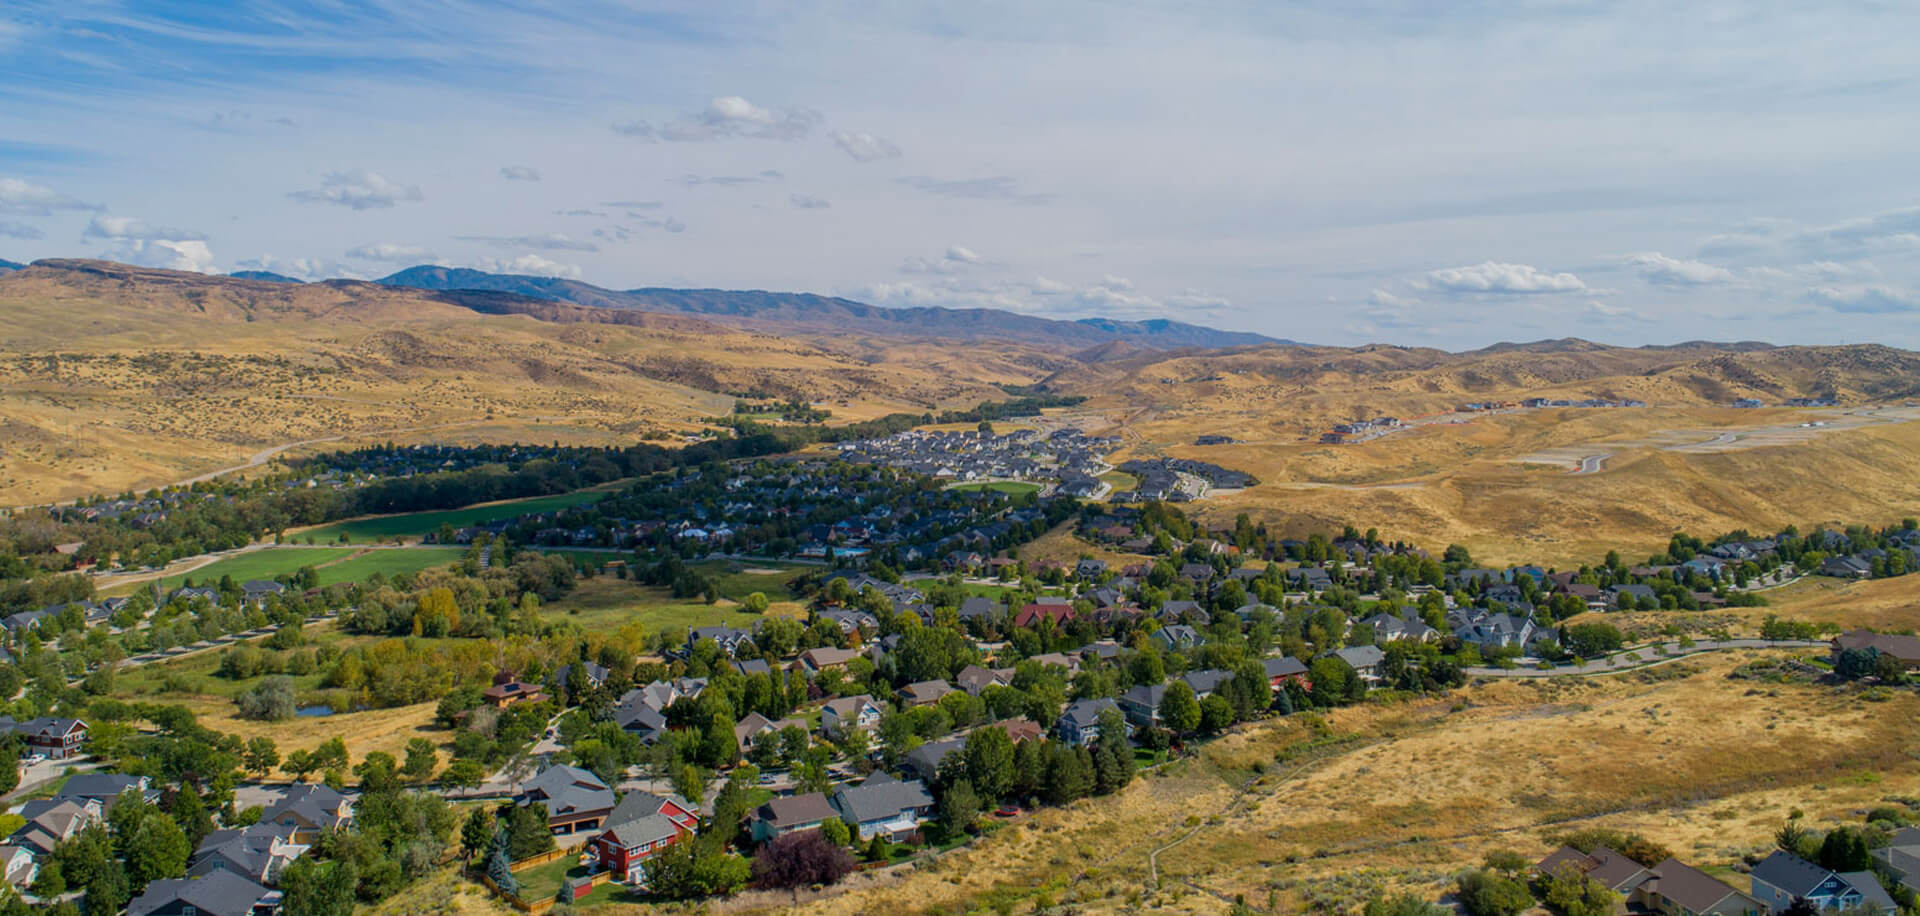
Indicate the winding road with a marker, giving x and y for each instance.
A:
(1646, 657)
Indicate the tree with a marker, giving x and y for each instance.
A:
(1215, 714)
(989, 759)
(1179, 709)
(960, 806)
(107, 893)
(261, 756)
(1592, 640)
(801, 859)
(756, 603)
(421, 758)
(158, 849)
(1844, 850)
(500, 864)
(527, 831)
(1112, 755)
(1571, 893)
(464, 774)
(310, 887)
(1489, 893)
(271, 701)
(691, 783)
(1335, 683)
(836, 831)
(700, 867)
(477, 832)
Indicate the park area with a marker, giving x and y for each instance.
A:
(418, 524)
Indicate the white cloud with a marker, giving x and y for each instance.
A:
(530, 264)
(1112, 297)
(1496, 277)
(551, 241)
(1383, 299)
(126, 227)
(391, 252)
(361, 190)
(957, 260)
(1601, 311)
(1661, 270)
(993, 187)
(1867, 300)
(962, 254)
(169, 254)
(865, 147)
(18, 231)
(300, 268)
(809, 202)
(725, 117)
(519, 173)
(19, 196)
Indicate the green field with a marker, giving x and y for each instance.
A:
(606, 603)
(414, 524)
(393, 562)
(258, 564)
(1009, 487)
(1121, 481)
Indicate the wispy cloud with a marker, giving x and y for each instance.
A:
(529, 264)
(23, 197)
(1866, 300)
(360, 189)
(519, 173)
(727, 181)
(19, 231)
(865, 147)
(996, 187)
(1661, 270)
(550, 241)
(808, 202)
(126, 227)
(391, 252)
(728, 116)
(1500, 278)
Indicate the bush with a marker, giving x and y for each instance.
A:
(271, 701)
(1490, 893)
(801, 859)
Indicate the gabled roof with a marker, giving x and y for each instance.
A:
(221, 893)
(880, 798)
(1086, 713)
(640, 831)
(1688, 886)
(1206, 681)
(1284, 666)
(1790, 873)
(567, 790)
(1361, 656)
(795, 810)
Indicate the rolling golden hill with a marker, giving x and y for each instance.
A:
(114, 377)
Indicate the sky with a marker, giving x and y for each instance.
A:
(1347, 171)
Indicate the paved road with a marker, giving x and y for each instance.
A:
(1593, 464)
(1646, 657)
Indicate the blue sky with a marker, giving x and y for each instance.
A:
(1342, 172)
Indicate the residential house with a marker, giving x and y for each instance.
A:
(851, 620)
(1365, 660)
(106, 788)
(1019, 729)
(1058, 611)
(55, 739)
(576, 799)
(884, 806)
(18, 866)
(925, 760)
(311, 810)
(1283, 669)
(1614, 871)
(1390, 628)
(1901, 856)
(1674, 888)
(1080, 722)
(731, 640)
(51, 822)
(1206, 681)
(1059, 660)
(1090, 569)
(1641, 594)
(924, 693)
(1782, 877)
(780, 816)
(637, 828)
(258, 853)
(595, 675)
(985, 610)
(1905, 649)
(748, 667)
(257, 591)
(1141, 704)
(1846, 568)
(220, 893)
(1182, 612)
(1176, 636)
(814, 661)
(975, 679)
(508, 690)
(860, 712)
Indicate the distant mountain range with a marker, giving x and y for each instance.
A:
(809, 313)
(9, 265)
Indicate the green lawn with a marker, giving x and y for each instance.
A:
(1120, 480)
(402, 561)
(259, 564)
(738, 579)
(1011, 487)
(420, 523)
(606, 603)
(542, 882)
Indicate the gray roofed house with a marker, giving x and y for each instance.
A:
(1080, 722)
(788, 814)
(1365, 661)
(925, 760)
(975, 679)
(1674, 887)
(1206, 681)
(1391, 628)
(1901, 856)
(310, 809)
(924, 693)
(1175, 636)
(595, 674)
(1283, 667)
(978, 608)
(220, 893)
(1781, 877)
(257, 853)
(51, 822)
(730, 639)
(1172, 611)
(576, 799)
(105, 788)
(883, 805)
(1141, 704)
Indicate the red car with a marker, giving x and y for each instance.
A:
(1007, 811)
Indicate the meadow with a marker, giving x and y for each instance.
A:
(416, 524)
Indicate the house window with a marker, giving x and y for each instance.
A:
(189, 910)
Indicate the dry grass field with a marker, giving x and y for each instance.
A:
(114, 377)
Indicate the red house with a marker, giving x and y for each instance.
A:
(55, 738)
(1057, 611)
(641, 825)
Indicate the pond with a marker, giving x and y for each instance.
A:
(314, 711)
